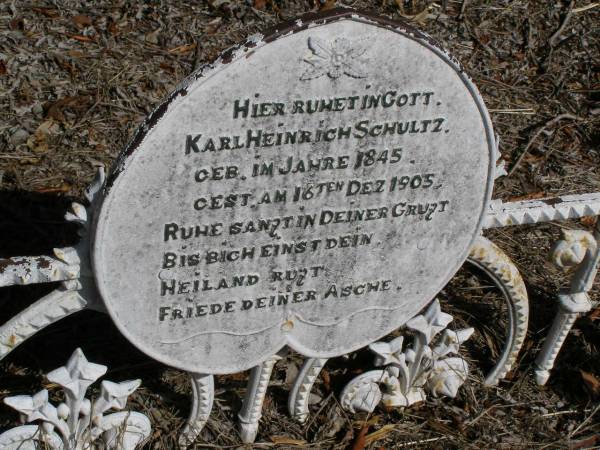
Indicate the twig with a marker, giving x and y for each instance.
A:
(560, 413)
(587, 419)
(29, 158)
(461, 15)
(400, 7)
(423, 441)
(473, 33)
(556, 36)
(534, 137)
(319, 411)
(198, 54)
(479, 416)
(527, 111)
(585, 8)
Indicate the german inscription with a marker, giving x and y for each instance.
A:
(315, 189)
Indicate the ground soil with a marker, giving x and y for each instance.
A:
(77, 77)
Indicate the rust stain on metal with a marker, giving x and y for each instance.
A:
(227, 56)
(288, 325)
(478, 252)
(9, 262)
(12, 340)
(553, 201)
(506, 273)
(249, 43)
(43, 263)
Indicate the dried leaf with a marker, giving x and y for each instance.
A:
(64, 64)
(112, 27)
(260, 4)
(29, 160)
(64, 187)
(55, 110)
(152, 36)
(335, 423)
(183, 49)
(591, 382)
(240, 376)
(2, 67)
(326, 379)
(441, 428)
(38, 142)
(79, 37)
(82, 21)
(595, 314)
(76, 54)
(284, 440)
(588, 442)
(17, 24)
(400, 7)
(359, 443)
(419, 18)
(589, 221)
(291, 373)
(214, 25)
(329, 4)
(166, 67)
(48, 12)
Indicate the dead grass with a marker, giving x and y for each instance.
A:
(77, 77)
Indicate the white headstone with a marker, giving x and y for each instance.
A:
(314, 188)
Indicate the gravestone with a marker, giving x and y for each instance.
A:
(315, 187)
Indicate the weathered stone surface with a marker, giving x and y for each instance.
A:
(313, 188)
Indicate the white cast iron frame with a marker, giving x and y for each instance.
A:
(77, 292)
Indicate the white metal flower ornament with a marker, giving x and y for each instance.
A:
(77, 423)
(409, 373)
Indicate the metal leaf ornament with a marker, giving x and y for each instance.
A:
(409, 373)
(78, 423)
(447, 376)
(430, 323)
(388, 352)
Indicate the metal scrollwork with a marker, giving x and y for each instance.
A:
(203, 395)
(497, 265)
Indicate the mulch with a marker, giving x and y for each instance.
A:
(78, 77)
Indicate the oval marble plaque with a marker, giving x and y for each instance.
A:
(313, 188)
